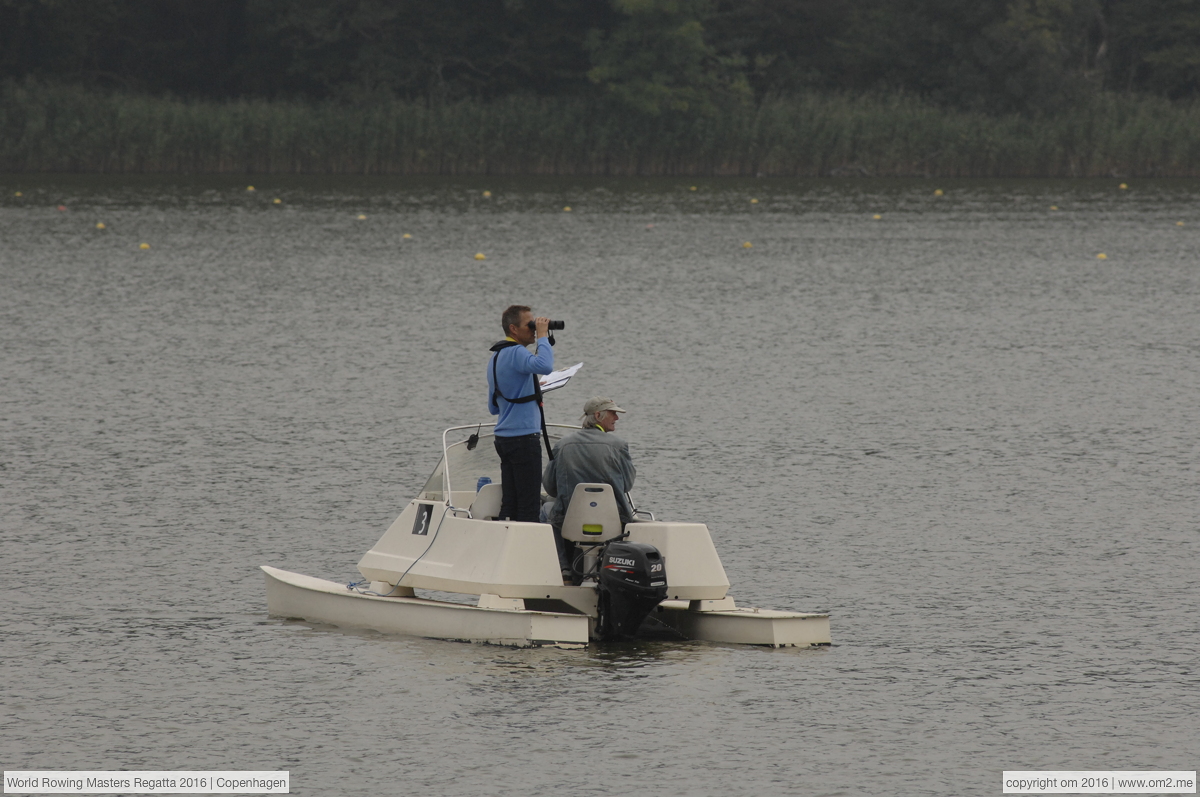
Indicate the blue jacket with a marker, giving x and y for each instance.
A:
(515, 367)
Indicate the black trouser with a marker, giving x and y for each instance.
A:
(520, 477)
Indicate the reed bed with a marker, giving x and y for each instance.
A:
(58, 128)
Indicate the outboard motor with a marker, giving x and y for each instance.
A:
(633, 580)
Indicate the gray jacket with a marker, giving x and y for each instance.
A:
(589, 455)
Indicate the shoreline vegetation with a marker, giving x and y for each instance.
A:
(47, 127)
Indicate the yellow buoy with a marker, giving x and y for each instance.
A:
(567, 209)
(18, 194)
(1102, 256)
(487, 194)
(480, 256)
(249, 188)
(939, 192)
(747, 245)
(1123, 186)
(278, 201)
(407, 236)
(99, 225)
(693, 188)
(143, 246)
(1054, 207)
(1179, 224)
(361, 216)
(877, 217)
(753, 201)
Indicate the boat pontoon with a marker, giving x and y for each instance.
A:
(639, 577)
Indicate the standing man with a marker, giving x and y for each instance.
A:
(514, 395)
(591, 455)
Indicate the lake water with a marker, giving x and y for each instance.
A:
(954, 427)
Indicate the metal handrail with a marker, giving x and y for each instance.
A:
(637, 511)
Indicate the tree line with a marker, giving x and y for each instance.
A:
(652, 58)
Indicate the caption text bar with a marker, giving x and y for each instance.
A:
(1098, 782)
(149, 782)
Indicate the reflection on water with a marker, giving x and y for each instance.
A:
(954, 427)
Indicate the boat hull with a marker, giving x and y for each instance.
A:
(320, 601)
(745, 626)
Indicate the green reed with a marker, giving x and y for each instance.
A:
(49, 127)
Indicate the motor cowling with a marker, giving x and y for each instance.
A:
(632, 581)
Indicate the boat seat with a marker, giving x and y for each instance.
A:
(592, 516)
(486, 505)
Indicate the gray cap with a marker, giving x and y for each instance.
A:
(599, 404)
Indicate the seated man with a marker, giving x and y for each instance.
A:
(591, 455)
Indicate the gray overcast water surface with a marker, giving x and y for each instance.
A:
(954, 428)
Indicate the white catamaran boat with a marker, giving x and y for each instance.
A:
(648, 576)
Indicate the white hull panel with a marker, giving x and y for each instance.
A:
(320, 601)
(746, 626)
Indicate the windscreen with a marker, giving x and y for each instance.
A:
(470, 464)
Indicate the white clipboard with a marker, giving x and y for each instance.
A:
(556, 379)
